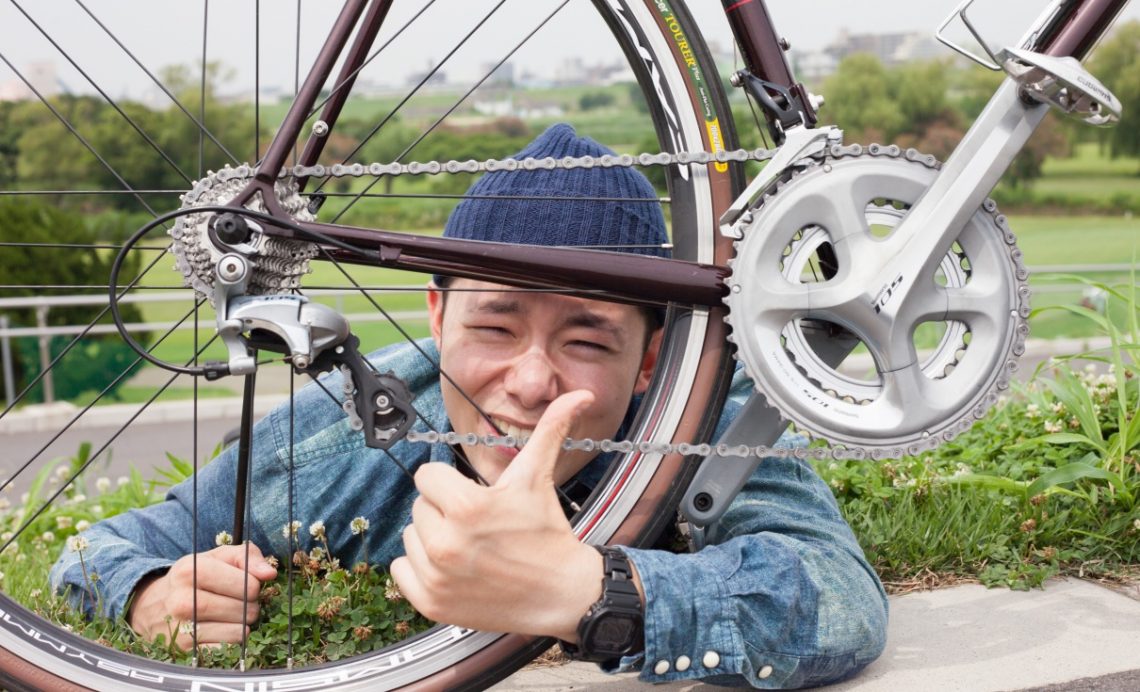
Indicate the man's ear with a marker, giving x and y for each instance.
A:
(648, 362)
(435, 303)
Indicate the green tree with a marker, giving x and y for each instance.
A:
(860, 100)
(98, 359)
(1116, 61)
(595, 99)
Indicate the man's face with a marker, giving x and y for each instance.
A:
(513, 352)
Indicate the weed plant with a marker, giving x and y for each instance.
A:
(1047, 484)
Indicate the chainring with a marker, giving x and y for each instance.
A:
(842, 209)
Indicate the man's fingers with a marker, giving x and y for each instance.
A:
(537, 459)
(440, 484)
(212, 607)
(237, 555)
(223, 579)
(212, 634)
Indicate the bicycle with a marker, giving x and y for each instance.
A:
(721, 228)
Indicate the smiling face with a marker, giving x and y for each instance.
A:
(514, 352)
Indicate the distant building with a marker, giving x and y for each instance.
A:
(41, 75)
(891, 49)
(882, 46)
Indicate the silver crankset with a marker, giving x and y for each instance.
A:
(810, 253)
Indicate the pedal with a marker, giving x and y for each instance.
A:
(378, 404)
(1062, 83)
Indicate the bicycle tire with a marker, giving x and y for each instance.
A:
(636, 499)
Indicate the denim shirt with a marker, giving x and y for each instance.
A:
(783, 598)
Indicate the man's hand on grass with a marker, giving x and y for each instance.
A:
(163, 603)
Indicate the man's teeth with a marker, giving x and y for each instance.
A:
(513, 430)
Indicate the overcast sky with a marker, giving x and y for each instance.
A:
(164, 32)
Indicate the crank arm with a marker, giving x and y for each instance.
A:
(720, 478)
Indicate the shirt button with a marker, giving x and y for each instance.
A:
(711, 659)
(661, 668)
(683, 663)
(764, 672)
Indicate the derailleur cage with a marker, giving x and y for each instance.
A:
(380, 404)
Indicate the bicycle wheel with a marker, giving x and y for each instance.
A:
(686, 110)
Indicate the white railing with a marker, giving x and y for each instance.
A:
(43, 304)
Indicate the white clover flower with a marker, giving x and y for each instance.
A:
(391, 590)
(317, 529)
(1052, 426)
(1090, 367)
(63, 522)
(97, 509)
(1136, 524)
(1057, 407)
(963, 470)
(12, 548)
(103, 484)
(122, 480)
(316, 553)
(35, 593)
(290, 530)
(24, 498)
(82, 525)
(1032, 411)
(1, 576)
(47, 537)
(223, 538)
(359, 525)
(4, 503)
(62, 472)
(186, 627)
(77, 544)
(77, 499)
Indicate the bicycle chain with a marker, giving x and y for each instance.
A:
(227, 176)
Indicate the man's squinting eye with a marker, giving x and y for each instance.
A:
(591, 345)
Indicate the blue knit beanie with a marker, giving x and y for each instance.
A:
(530, 214)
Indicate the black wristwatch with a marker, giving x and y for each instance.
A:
(615, 625)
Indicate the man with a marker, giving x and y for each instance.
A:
(786, 599)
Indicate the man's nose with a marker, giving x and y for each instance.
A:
(533, 380)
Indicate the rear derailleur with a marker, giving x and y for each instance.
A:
(315, 339)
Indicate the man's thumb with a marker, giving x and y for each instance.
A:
(538, 457)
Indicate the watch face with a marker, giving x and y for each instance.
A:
(614, 633)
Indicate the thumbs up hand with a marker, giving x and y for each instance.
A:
(501, 558)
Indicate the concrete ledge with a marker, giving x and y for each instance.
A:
(963, 639)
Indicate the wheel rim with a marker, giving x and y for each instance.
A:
(603, 520)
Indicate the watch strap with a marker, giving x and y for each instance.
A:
(619, 600)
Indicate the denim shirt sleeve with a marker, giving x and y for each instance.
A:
(784, 599)
(327, 461)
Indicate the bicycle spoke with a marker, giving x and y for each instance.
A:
(96, 400)
(67, 349)
(416, 89)
(63, 486)
(110, 101)
(352, 75)
(81, 138)
(174, 99)
(462, 98)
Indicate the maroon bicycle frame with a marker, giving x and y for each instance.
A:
(591, 273)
